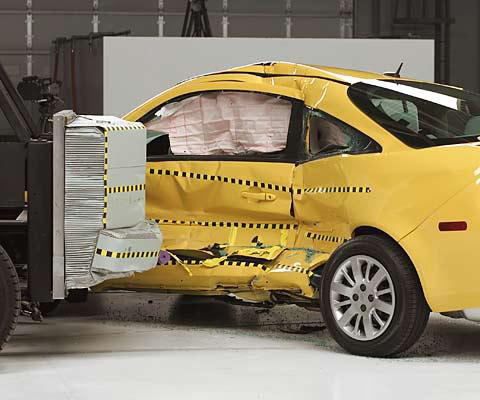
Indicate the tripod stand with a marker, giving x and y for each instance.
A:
(196, 21)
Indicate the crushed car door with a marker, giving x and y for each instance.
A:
(327, 184)
(221, 192)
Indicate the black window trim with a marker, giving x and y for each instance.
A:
(290, 154)
(411, 140)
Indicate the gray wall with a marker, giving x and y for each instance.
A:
(54, 18)
(148, 55)
(320, 18)
(464, 35)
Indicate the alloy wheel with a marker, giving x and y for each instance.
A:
(362, 297)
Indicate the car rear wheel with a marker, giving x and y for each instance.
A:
(372, 300)
(9, 297)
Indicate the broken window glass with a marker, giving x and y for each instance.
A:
(328, 135)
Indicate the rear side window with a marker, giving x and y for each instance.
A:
(328, 135)
(420, 114)
(403, 112)
(220, 123)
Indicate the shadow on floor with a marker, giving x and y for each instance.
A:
(444, 338)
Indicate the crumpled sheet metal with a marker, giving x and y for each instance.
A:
(266, 253)
(199, 204)
(202, 192)
(225, 123)
(123, 252)
(226, 274)
(191, 213)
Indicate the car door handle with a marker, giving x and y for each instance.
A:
(262, 196)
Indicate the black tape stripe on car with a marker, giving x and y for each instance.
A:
(282, 267)
(325, 238)
(228, 224)
(335, 189)
(291, 268)
(218, 178)
(223, 262)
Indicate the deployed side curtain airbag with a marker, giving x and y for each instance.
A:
(225, 123)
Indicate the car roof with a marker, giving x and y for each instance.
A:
(304, 70)
(256, 73)
(284, 69)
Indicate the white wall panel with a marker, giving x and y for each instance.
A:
(138, 68)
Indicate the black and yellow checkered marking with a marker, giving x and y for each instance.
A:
(125, 189)
(105, 181)
(262, 185)
(334, 189)
(223, 262)
(130, 254)
(227, 224)
(276, 268)
(218, 178)
(291, 268)
(173, 222)
(243, 264)
(130, 127)
(325, 238)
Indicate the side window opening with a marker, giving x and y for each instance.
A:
(220, 123)
(328, 136)
(158, 143)
(420, 114)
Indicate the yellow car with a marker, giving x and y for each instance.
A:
(354, 192)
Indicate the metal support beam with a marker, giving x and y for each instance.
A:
(411, 14)
(376, 13)
(29, 37)
(288, 18)
(161, 17)
(58, 257)
(40, 229)
(225, 18)
(346, 18)
(442, 43)
(95, 19)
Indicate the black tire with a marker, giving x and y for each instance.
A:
(410, 313)
(9, 297)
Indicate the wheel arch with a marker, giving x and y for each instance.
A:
(358, 231)
(373, 231)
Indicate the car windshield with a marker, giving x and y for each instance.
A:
(420, 114)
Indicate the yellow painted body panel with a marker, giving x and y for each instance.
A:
(401, 191)
(447, 261)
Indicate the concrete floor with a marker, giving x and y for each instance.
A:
(133, 347)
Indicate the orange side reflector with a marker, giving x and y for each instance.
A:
(452, 226)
